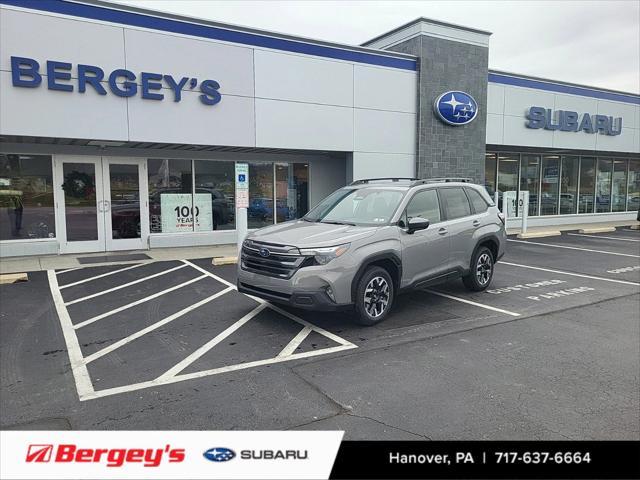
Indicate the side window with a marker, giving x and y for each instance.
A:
(455, 202)
(479, 204)
(424, 204)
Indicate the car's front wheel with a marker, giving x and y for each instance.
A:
(374, 296)
(481, 271)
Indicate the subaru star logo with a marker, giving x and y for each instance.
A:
(219, 454)
(456, 108)
(264, 252)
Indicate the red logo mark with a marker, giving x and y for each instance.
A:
(39, 453)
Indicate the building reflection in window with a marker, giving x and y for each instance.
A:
(26, 197)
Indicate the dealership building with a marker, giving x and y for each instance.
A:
(121, 128)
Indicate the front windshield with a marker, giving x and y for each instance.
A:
(361, 206)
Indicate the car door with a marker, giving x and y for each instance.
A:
(425, 252)
(459, 224)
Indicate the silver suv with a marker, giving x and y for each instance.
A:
(368, 241)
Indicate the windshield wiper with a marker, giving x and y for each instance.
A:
(335, 222)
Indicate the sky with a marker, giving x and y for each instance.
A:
(586, 42)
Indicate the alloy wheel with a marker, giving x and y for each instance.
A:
(484, 268)
(376, 296)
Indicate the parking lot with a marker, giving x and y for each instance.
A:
(549, 351)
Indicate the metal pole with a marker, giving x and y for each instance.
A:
(495, 197)
(525, 210)
(241, 226)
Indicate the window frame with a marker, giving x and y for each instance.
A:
(442, 204)
(473, 207)
(403, 216)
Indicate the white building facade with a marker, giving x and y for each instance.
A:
(120, 128)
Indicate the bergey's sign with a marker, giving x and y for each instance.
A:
(568, 121)
(26, 73)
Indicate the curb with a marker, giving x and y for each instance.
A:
(546, 233)
(224, 260)
(6, 278)
(597, 230)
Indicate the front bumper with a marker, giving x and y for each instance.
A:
(304, 299)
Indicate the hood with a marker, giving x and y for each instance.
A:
(303, 234)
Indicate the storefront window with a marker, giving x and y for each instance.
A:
(550, 185)
(215, 187)
(170, 195)
(587, 184)
(619, 185)
(260, 211)
(569, 185)
(633, 192)
(507, 176)
(603, 185)
(26, 197)
(530, 180)
(292, 180)
(490, 173)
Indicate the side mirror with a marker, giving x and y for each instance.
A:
(417, 223)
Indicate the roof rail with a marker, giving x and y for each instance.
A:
(443, 180)
(390, 179)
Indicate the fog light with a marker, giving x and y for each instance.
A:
(330, 294)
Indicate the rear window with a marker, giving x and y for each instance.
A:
(478, 203)
(455, 202)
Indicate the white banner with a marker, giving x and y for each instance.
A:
(177, 212)
(167, 454)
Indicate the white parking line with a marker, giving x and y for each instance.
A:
(476, 304)
(101, 276)
(104, 292)
(612, 280)
(215, 371)
(68, 270)
(152, 327)
(575, 248)
(295, 342)
(81, 376)
(137, 302)
(606, 238)
(173, 371)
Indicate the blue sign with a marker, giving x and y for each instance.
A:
(456, 108)
(25, 72)
(568, 121)
(242, 177)
(219, 454)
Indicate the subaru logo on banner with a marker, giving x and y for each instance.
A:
(456, 108)
(219, 454)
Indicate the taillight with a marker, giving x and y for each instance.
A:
(501, 217)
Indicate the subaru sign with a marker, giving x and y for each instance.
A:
(568, 121)
(219, 454)
(456, 108)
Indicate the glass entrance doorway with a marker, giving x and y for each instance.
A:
(102, 203)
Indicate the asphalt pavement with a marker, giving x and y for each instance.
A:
(550, 351)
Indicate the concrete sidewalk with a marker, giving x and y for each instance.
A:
(574, 226)
(56, 262)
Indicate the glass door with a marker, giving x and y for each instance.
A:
(79, 182)
(125, 203)
(103, 203)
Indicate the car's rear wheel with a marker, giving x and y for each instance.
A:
(374, 296)
(481, 271)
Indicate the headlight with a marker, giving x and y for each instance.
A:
(324, 255)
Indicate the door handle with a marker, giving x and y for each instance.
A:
(107, 205)
(476, 223)
(442, 231)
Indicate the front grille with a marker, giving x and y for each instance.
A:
(282, 261)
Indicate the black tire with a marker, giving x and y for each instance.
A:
(376, 285)
(480, 271)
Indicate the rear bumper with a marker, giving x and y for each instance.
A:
(305, 299)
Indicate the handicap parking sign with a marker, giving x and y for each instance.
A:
(242, 178)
